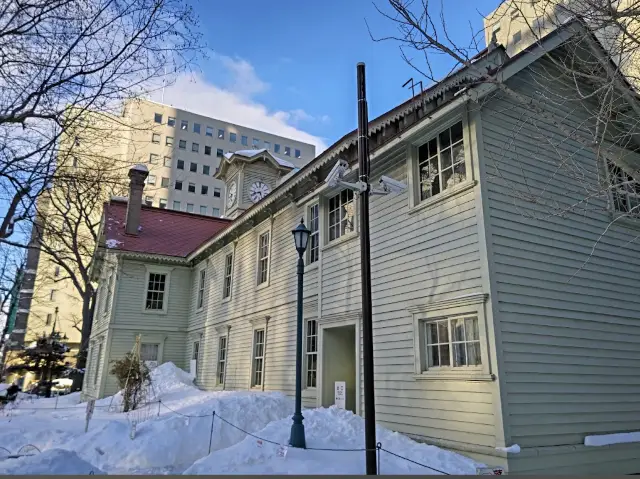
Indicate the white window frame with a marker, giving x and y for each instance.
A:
(413, 161)
(202, 280)
(616, 156)
(108, 294)
(227, 275)
(98, 363)
(259, 259)
(221, 363)
(195, 354)
(347, 234)
(167, 288)
(463, 306)
(316, 233)
(149, 362)
(258, 325)
(307, 353)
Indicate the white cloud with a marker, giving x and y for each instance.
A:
(235, 103)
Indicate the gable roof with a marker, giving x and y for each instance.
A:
(249, 156)
(162, 232)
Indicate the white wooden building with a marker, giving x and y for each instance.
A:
(489, 329)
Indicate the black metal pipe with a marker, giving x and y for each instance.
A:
(365, 262)
(297, 438)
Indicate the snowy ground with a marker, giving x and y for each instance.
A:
(174, 437)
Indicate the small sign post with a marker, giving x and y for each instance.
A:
(340, 397)
(490, 471)
(90, 406)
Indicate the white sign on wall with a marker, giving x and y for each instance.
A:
(340, 396)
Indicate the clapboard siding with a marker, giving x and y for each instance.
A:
(568, 313)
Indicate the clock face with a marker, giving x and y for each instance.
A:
(258, 191)
(231, 195)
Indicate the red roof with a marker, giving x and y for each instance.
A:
(162, 231)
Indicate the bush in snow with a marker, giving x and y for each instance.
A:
(133, 378)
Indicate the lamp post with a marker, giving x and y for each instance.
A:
(297, 439)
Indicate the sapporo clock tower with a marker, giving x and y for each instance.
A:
(249, 175)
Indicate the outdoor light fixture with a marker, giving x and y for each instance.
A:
(301, 236)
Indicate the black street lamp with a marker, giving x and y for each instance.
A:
(297, 439)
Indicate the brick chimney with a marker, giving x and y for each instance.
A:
(138, 175)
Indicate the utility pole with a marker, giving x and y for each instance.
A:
(365, 262)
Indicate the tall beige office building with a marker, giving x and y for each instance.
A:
(517, 24)
(182, 151)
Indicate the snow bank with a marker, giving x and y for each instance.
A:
(174, 441)
(609, 439)
(168, 377)
(514, 449)
(53, 461)
(329, 428)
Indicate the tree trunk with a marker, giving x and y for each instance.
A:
(88, 307)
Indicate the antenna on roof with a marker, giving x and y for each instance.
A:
(413, 88)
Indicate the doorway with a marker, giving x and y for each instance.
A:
(339, 354)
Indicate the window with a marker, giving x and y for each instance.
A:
(228, 269)
(625, 191)
(496, 27)
(56, 272)
(155, 138)
(178, 185)
(208, 131)
(263, 258)
(148, 200)
(163, 203)
(157, 117)
(453, 342)
(276, 148)
(217, 192)
(215, 212)
(222, 358)
(256, 142)
(206, 169)
(287, 150)
(341, 214)
(233, 137)
(195, 147)
(168, 141)
(244, 140)
(167, 161)
(219, 153)
(171, 121)
(155, 291)
(203, 210)
(196, 128)
(164, 182)
(189, 207)
(298, 154)
(153, 159)
(184, 125)
(176, 205)
(514, 13)
(258, 357)
(267, 145)
(108, 297)
(207, 150)
(311, 352)
(195, 354)
(182, 144)
(98, 364)
(314, 238)
(516, 37)
(221, 134)
(203, 274)
(74, 161)
(49, 319)
(191, 188)
(441, 162)
(149, 354)
(193, 167)
(204, 189)
(181, 164)
(151, 179)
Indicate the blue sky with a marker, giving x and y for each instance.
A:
(293, 63)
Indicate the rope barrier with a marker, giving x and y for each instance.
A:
(415, 462)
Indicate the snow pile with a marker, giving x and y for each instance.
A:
(330, 428)
(513, 449)
(168, 377)
(53, 461)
